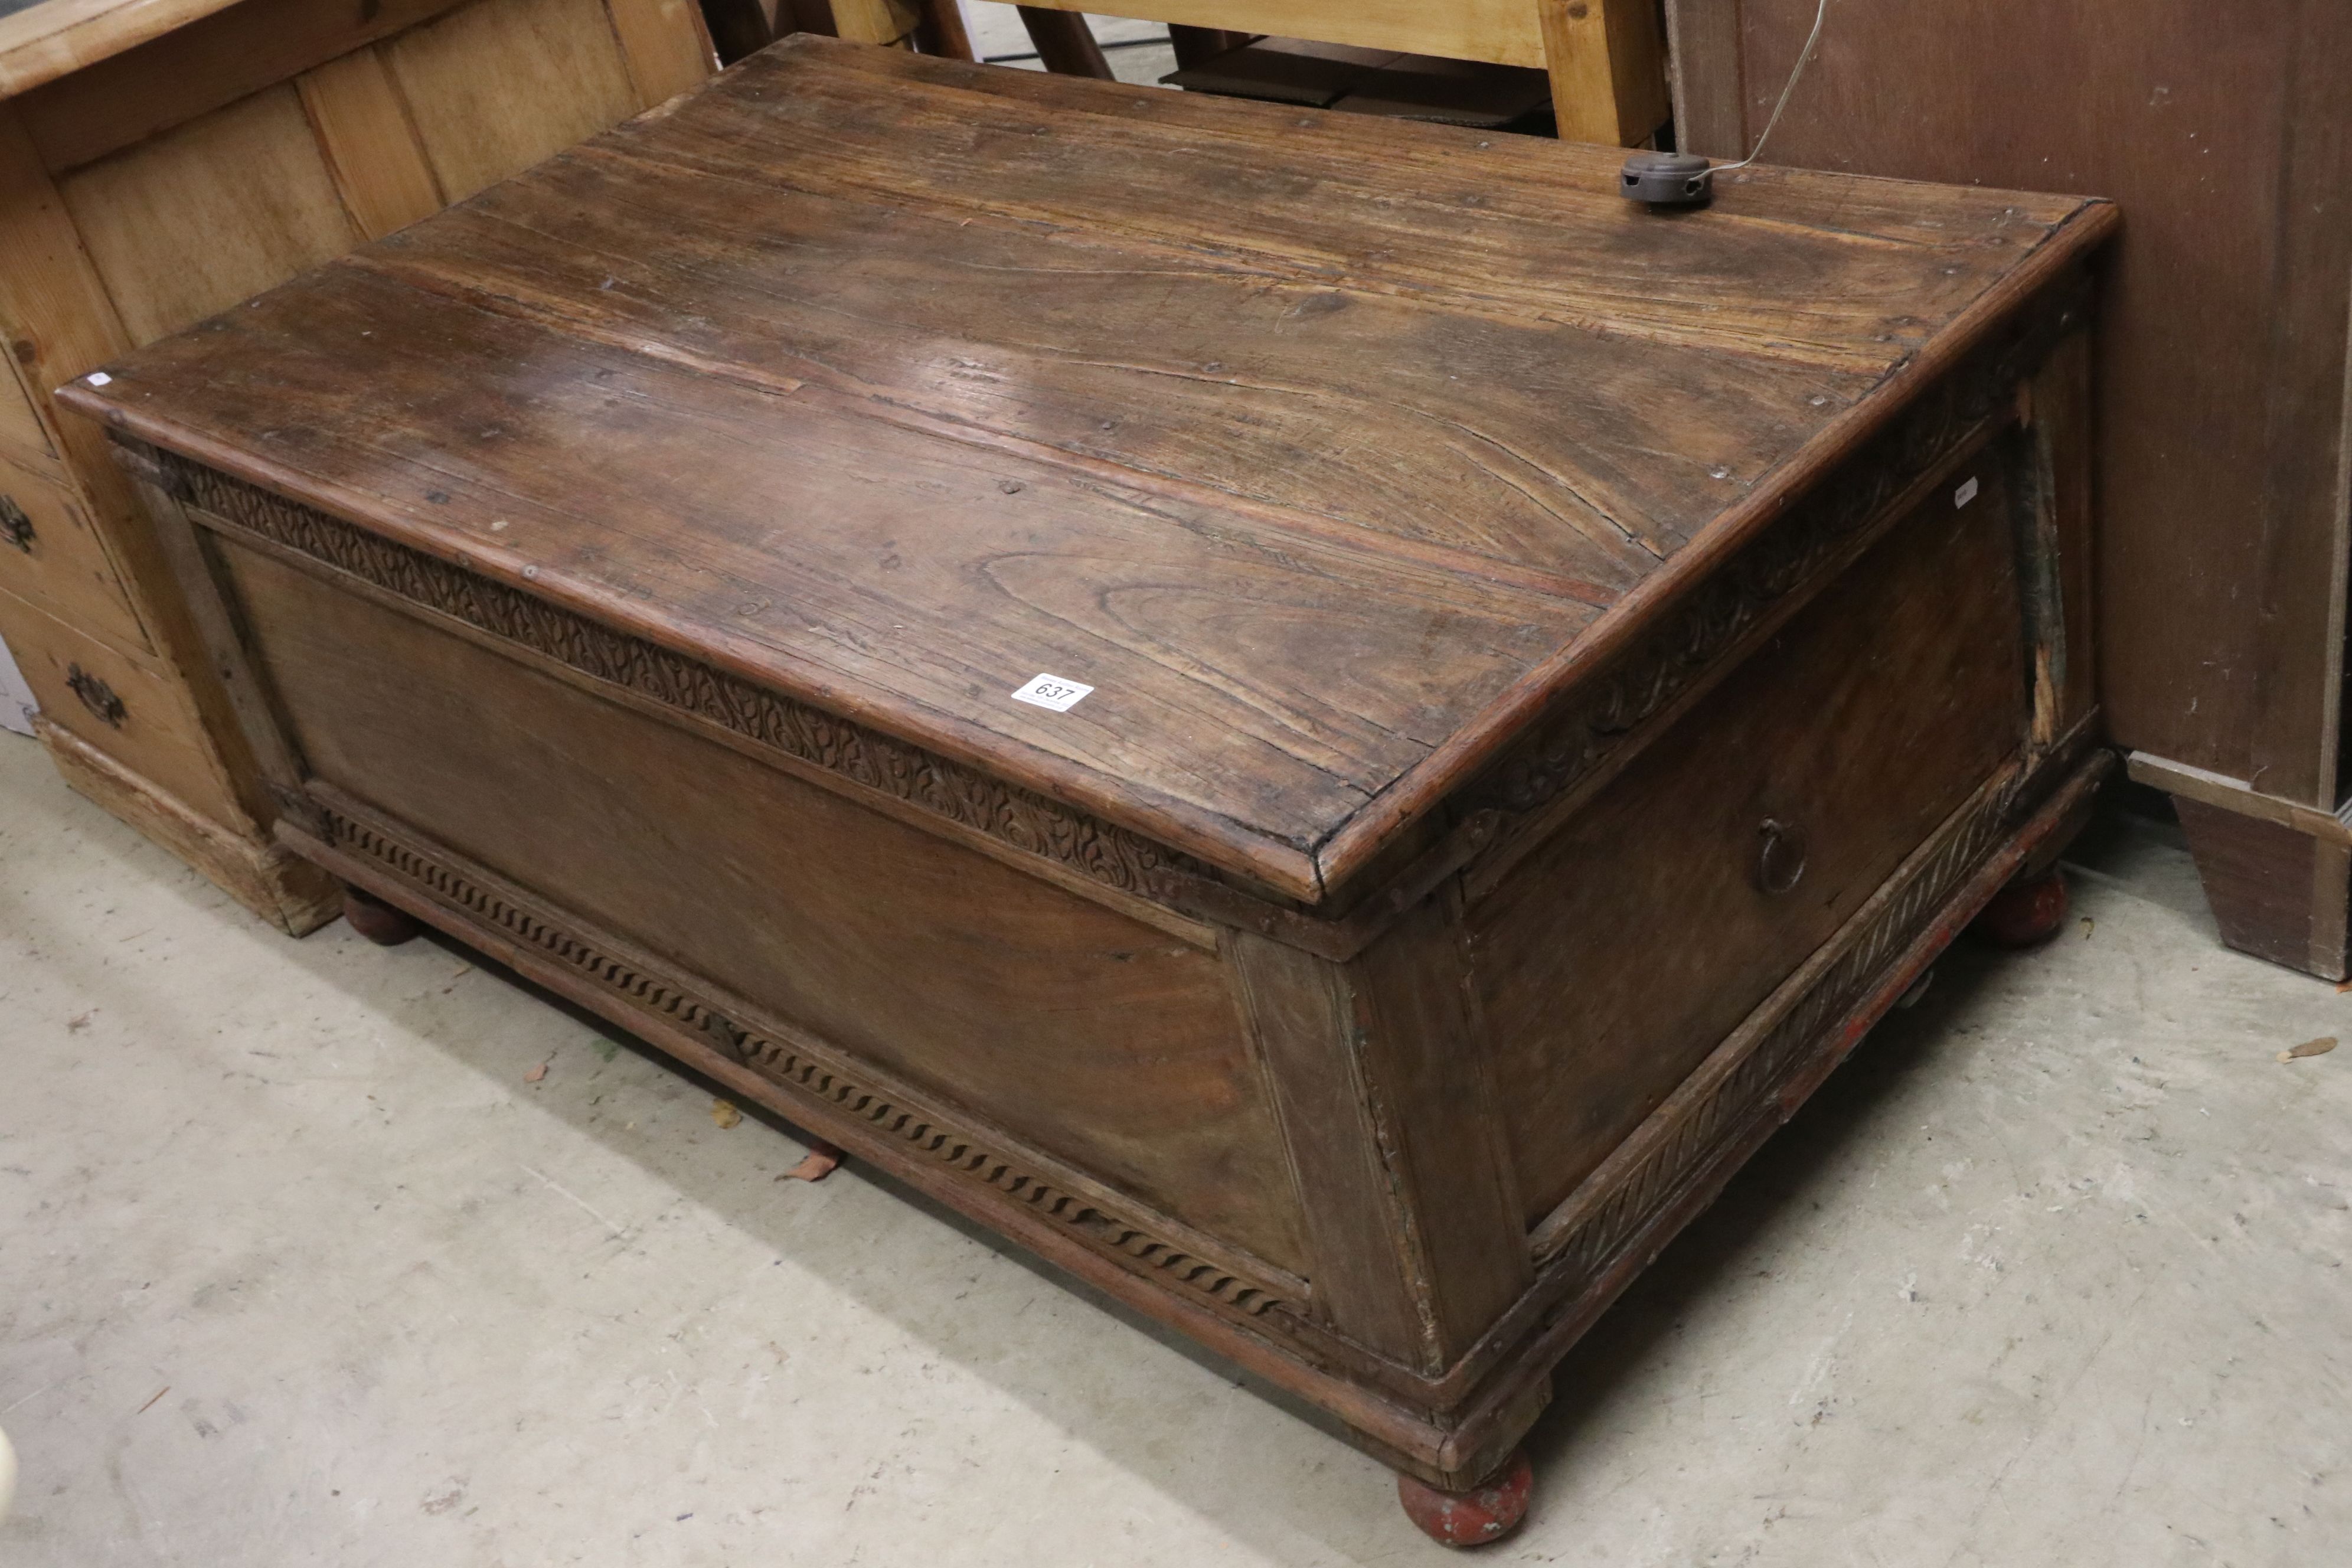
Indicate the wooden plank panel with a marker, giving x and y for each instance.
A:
(1704, 65)
(883, 306)
(499, 86)
(65, 567)
(1852, 274)
(369, 144)
(1502, 32)
(664, 46)
(189, 224)
(206, 66)
(2306, 494)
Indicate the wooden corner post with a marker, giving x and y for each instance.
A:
(1608, 69)
(1415, 1236)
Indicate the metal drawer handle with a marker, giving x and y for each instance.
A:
(1780, 856)
(15, 526)
(97, 696)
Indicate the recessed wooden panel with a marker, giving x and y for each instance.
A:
(155, 734)
(62, 564)
(1614, 958)
(497, 87)
(189, 224)
(1097, 1038)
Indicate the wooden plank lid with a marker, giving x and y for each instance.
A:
(1325, 451)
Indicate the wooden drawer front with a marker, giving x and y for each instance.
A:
(1101, 1039)
(142, 719)
(1613, 958)
(50, 554)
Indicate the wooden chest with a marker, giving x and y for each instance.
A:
(1549, 673)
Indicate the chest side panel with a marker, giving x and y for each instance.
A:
(1096, 1038)
(1611, 959)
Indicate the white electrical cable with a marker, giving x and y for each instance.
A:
(1804, 57)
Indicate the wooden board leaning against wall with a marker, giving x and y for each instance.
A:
(161, 161)
(2222, 462)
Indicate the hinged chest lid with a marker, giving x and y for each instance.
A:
(1323, 452)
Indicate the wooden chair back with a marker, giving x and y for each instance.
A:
(1606, 59)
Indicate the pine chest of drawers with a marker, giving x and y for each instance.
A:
(1325, 723)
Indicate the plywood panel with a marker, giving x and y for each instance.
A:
(496, 88)
(189, 224)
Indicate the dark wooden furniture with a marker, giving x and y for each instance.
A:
(1557, 670)
(2222, 462)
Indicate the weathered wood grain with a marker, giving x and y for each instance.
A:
(1355, 433)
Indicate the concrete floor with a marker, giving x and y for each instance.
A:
(299, 1267)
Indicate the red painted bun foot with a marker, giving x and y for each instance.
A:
(377, 921)
(2029, 911)
(1484, 1513)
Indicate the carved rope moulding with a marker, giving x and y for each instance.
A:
(921, 1130)
(1109, 853)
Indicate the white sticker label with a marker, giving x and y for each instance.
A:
(1965, 494)
(98, 378)
(1052, 691)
